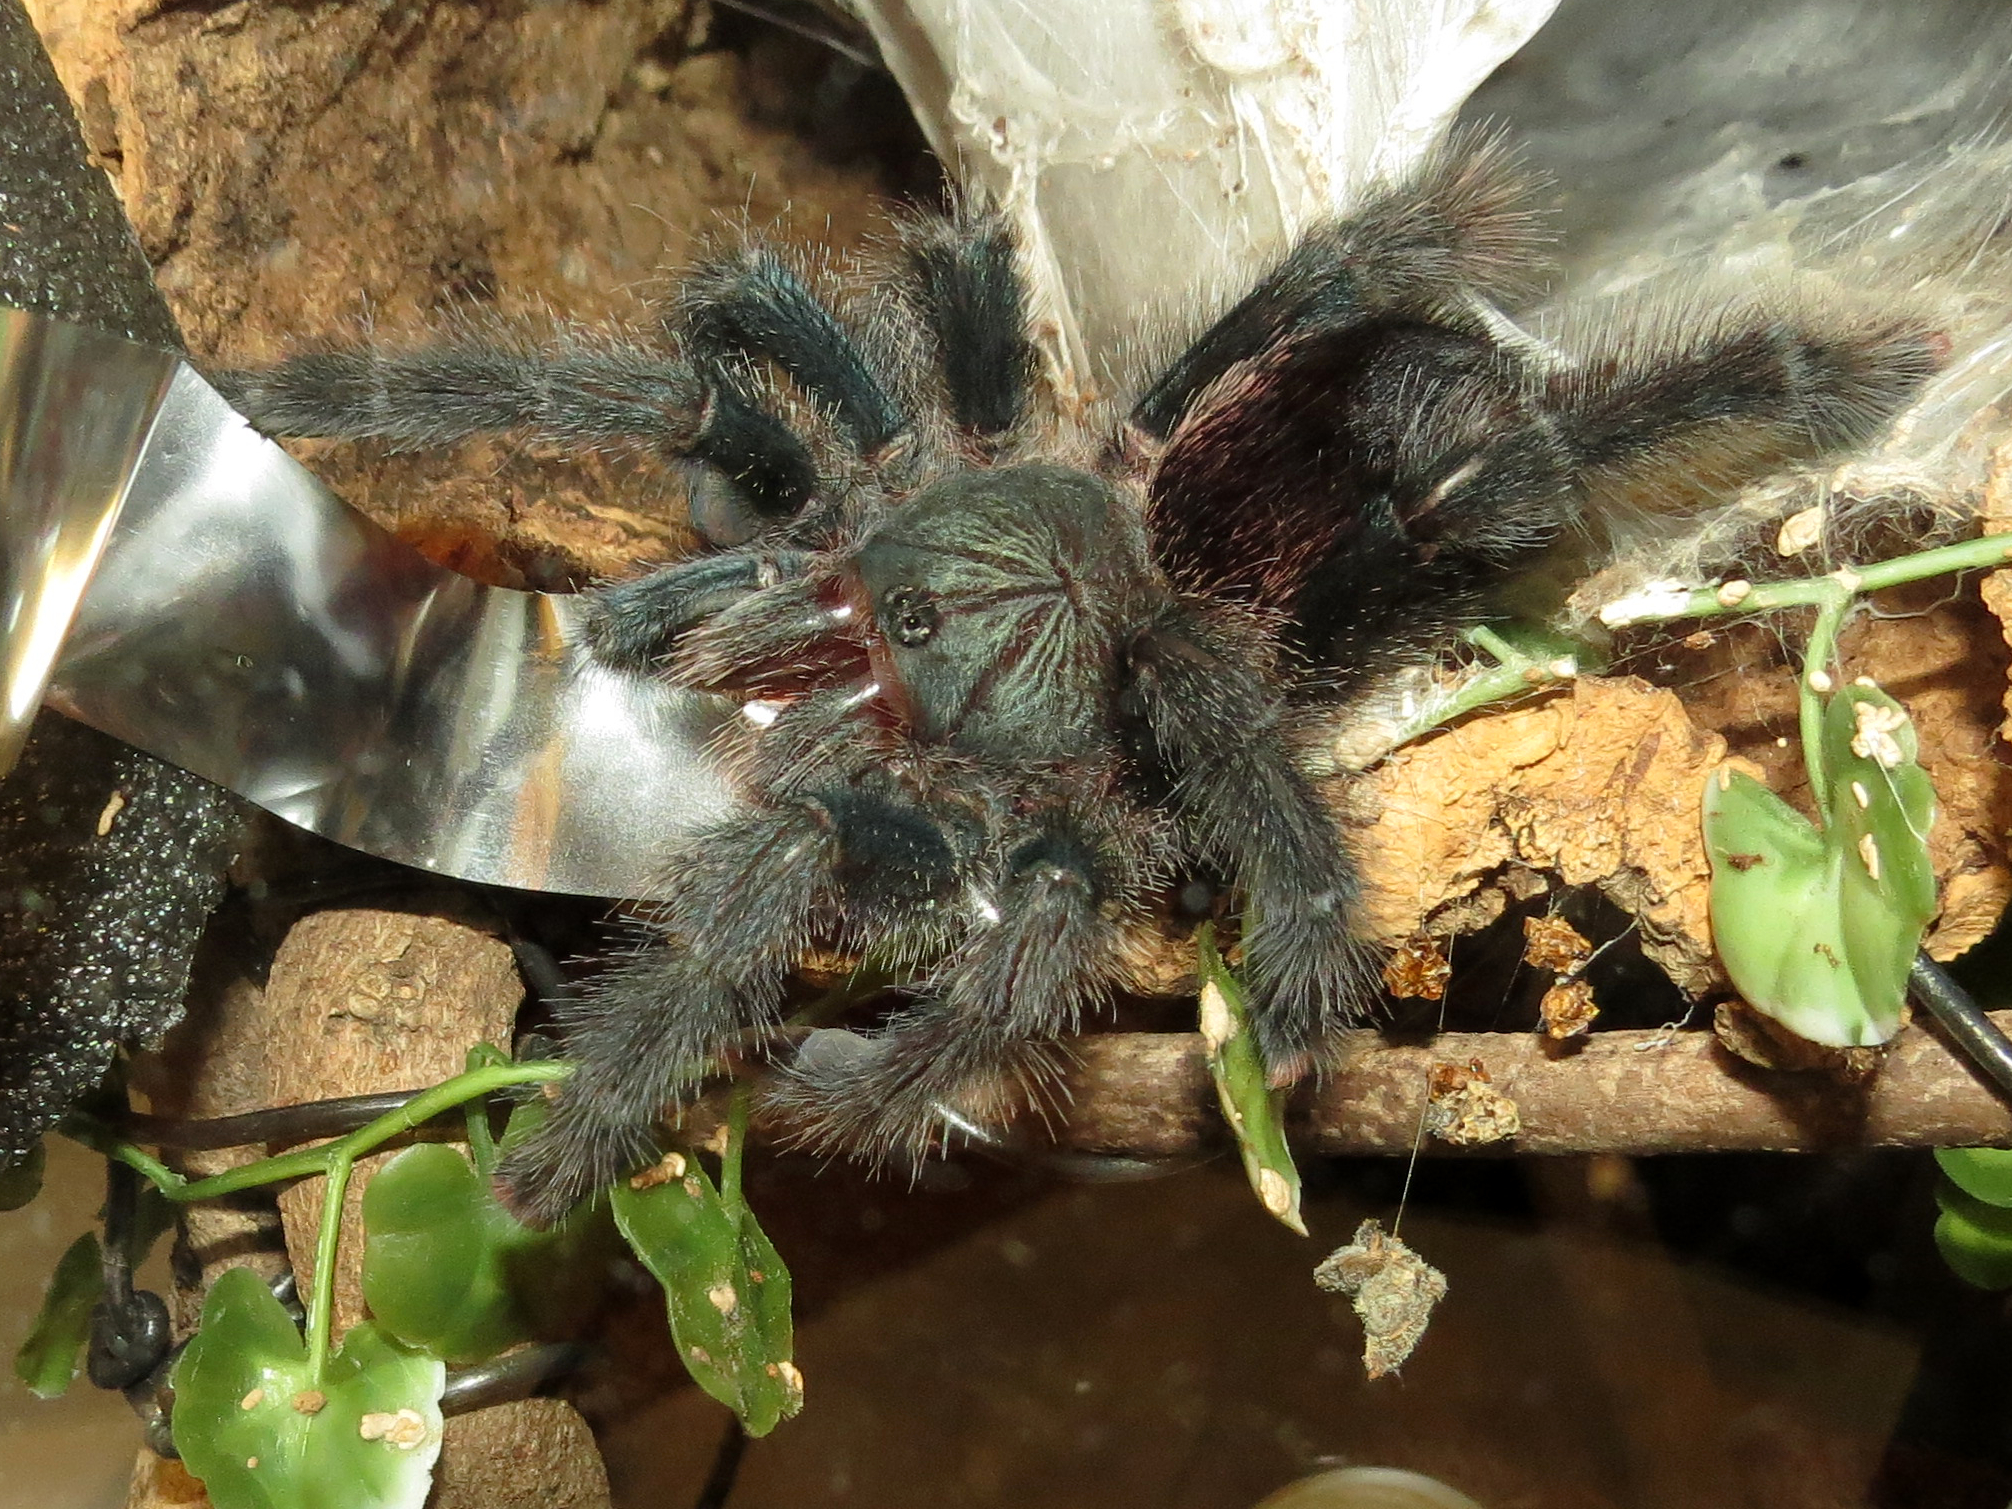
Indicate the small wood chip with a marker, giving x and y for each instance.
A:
(1874, 741)
(1274, 1192)
(1218, 1025)
(252, 1400)
(1417, 970)
(114, 804)
(1799, 531)
(670, 1167)
(1568, 1009)
(1466, 1109)
(792, 1380)
(1393, 1291)
(405, 1429)
(1553, 943)
(310, 1401)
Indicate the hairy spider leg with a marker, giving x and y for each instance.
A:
(1743, 391)
(1372, 483)
(1364, 483)
(636, 625)
(573, 391)
(1039, 950)
(1462, 226)
(753, 305)
(1243, 806)
(752, 894)
(964, 281)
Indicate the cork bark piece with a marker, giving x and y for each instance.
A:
(363, 1001)
(1600, 785)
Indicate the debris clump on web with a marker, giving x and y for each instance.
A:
(1393, 1290)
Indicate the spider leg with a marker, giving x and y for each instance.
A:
(651, 1028)
(573, 392)
(1365, 483)
(1744, 392)
(1462, 225)
(979, 1044)
(635, 625)
(965, 281)
(1244, 806)
(754, 305)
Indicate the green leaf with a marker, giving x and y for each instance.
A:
(725, 1286)
(1975, 1239)
(448, 1269)
(1254, 1110)
(1819, 929)
(1983, 1173)
(48, 1359)
(262, 1434)
(21, 1181)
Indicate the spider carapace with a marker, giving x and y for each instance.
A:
(1010, 672)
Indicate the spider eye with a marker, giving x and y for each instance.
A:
(909, 614)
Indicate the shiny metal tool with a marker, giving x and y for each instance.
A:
(228, 614)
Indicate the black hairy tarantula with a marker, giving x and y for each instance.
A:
(1022, 669)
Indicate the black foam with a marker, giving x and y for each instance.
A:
(96, 930)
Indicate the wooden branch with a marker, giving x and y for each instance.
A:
(1148, 1096)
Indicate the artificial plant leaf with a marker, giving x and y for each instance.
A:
(1983, 1173)
(48, 1359)
(262, 1433)
(1819, 929)
(448, 1269)
(1254, 1110)
(1975, 1239)
(21, 1181)
(726, 1288)
(1774, 910)
(1881, 807)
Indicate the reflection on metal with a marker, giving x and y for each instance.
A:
(75, 408)
(245, 624)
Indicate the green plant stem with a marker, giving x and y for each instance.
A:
(1515, 673)
(1816, 591)
(321, 1295)
(1819, 675)
(738, 1105)
(1832, 597)
(475, 1113)
(305, 1162)
(334, 1161)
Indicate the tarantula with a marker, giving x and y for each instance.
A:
(1016, 669)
